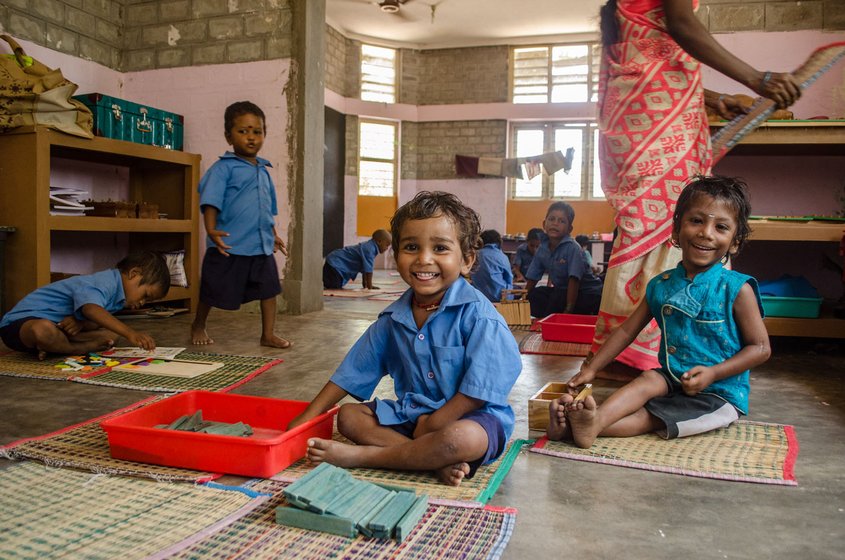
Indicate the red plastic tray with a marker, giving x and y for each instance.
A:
(565, 327)
(133, 437)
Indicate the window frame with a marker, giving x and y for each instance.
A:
(361, 80)
(589, 140)
(593, 58)
(394, 162)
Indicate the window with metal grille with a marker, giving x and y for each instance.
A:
(555, 73)
(583, 182)
(377, 158)
(378, 74)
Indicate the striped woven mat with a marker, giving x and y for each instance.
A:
(445, 531)
(236, 371)
(745, 451)
(479, 488)
(534, 344)
(61, 513)
(349, 293)
(85, 446)
(20, 364)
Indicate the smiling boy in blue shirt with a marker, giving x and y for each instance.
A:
(451, 356)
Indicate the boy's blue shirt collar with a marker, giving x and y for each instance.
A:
(459, 293)
(232, 155)
(683, 300)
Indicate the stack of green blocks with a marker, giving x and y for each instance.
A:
(195, 423)
(329, 499)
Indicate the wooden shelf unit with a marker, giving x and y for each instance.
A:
(797, 138)
(165, 177)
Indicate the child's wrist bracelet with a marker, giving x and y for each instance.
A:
(766, 77)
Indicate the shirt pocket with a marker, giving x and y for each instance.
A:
(447, 368)
(709, 338)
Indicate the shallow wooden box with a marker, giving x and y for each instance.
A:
(538, 404)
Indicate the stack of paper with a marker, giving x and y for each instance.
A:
(65, 201)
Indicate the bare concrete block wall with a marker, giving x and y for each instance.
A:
(336, 70)
(438, 142)
(469, 75)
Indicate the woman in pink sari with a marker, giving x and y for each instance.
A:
(654, 137)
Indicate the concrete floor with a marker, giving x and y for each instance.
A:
(566, 508)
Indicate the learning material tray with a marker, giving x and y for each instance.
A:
(134, 437)
(566, 327)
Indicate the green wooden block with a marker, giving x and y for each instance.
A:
(319, 496)
(344, 498)
(386, 519)
(301, 519)
(300, 486)
(362, 524)
(176, 424)
(411, 518)
(359, 502)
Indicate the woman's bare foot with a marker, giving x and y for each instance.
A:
(275, 341)
(583, 421)
(558, 429)
(332, 452)
(453, 475)
(199, 336)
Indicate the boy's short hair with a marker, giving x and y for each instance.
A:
(489, 236)
(381, 235)
(732, 190)
(564, 207)
(239, 108)
(153, 268)
(535, 233)
(437, 203)
(582, 239)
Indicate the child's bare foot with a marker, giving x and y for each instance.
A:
(558, 429)
(332, 452)
(583, 421)
(275, 341)
(199, 336)
(453, 475)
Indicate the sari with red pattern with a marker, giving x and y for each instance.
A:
(654, 138)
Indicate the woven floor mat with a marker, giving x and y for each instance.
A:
(21, 364)
(745, 451)
(85, 446)
(444, 532)
(386, 296)
(534, 344)
(60, 513)
(480, 487)
(349, 293)
(236, 371)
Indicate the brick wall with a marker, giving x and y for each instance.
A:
(436, 144)
(336, 71)
(721, 16)
(470, 75)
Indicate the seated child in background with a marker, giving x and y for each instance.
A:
(343, 265)
(451, 356)
(712, 333)
(238, 203)
(584, 242)
(492, 272)
(525, 254)
(575, 289)
(74, 316)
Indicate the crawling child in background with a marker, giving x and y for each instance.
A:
(238, 203)
(343, 265)
(74, 316)
(451, 356)
(492, 272)
(711, 323)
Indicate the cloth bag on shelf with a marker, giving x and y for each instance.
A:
(33, 94)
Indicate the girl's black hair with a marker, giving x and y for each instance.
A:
(239, 108)
(437, 203)
(152, 265)
(732, 190)
(608, 24)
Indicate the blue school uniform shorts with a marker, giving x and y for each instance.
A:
(228, 282)
(686, 415)
(11, 335)
(496, 440)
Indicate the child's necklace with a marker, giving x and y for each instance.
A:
(427, 306)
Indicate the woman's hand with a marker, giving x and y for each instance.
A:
(782, 88)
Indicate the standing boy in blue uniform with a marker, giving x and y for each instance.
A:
(343, 265)
(451, 356)
(574, 288)
(74, 316)
(238, 203)
(492, 273)
(711, 323)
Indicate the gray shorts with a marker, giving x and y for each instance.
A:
(686, 415)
